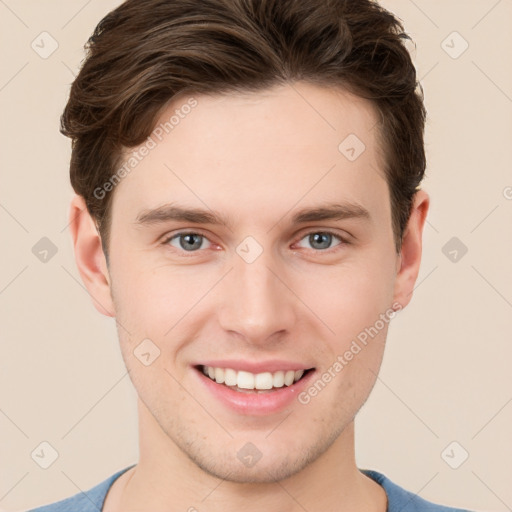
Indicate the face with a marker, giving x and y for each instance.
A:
(264, 280)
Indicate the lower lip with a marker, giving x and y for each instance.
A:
(256, 404)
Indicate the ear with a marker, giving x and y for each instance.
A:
(89, 256)
(410, 254)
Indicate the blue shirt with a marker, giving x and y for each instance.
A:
(399, 500)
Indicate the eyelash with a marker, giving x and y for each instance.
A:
(343, 241)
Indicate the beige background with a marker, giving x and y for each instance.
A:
(446, 373)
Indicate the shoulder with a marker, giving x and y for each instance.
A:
(400, 499)
(87, 501)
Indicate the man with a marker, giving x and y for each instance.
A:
(248, 209)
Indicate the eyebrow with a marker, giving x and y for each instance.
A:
(171, 212)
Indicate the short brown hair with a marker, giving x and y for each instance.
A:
(146, 52)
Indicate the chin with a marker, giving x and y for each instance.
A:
(262, 472)
(264, 462)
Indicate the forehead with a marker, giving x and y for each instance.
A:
(282, 146)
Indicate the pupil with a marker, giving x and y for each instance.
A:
(189, 239)
(317, 239)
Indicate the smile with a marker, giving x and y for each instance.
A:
(254, 388)
(244, 381)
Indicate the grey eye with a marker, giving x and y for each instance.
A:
(188, 241)
(320, 240)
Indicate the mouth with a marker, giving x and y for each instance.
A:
(253, 383)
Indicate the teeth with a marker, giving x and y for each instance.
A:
(229, 377)
(247, 380)
(219, 375)
(289, 376)
(264, 381)
(278, 379)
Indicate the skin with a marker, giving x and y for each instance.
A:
(257, 159)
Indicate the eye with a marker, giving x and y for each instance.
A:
(187, 241)
(190, 241)
(322, 240)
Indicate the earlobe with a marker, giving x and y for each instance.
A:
(89, 256)
(410, 256)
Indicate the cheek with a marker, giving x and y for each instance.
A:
(348, 298)
(157, 298)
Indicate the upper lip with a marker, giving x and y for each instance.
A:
(273, 365)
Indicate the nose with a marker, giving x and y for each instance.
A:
(257, 303)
